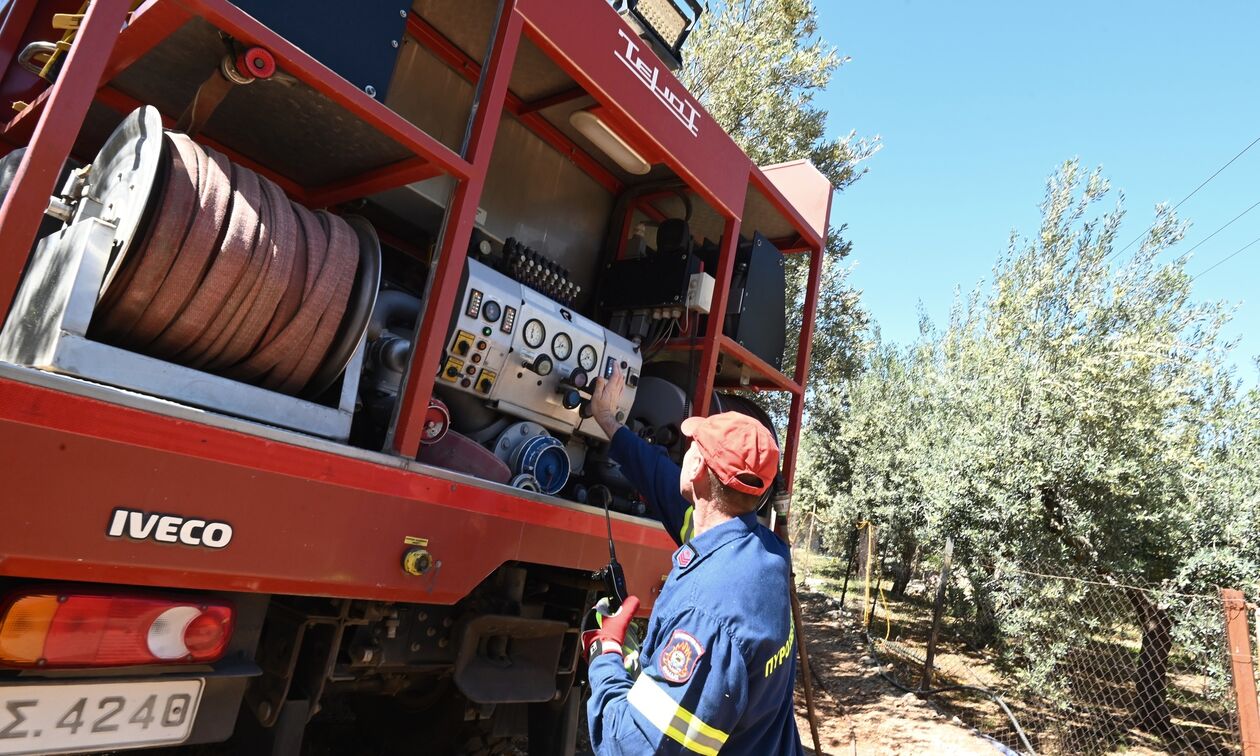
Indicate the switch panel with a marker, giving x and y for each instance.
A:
(539, 359)
(485, 382)
(462, 344)
(452, 369)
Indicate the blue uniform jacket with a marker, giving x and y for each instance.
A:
(719, 662)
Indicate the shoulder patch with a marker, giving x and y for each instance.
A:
(685, 555)
(679, 657)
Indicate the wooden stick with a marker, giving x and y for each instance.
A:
(804, 654)
(1235, 607)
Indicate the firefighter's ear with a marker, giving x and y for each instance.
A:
(694, 471)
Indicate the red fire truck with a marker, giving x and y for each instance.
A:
(302, 305)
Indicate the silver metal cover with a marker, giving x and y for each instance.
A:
(517, 389)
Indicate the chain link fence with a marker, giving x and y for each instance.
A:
(1053, 663)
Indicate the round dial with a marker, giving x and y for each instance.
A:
(588, 358)
(542, 365)
(562, 346)
(491, 310)
(534, 333)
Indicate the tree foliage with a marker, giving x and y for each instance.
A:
(756, 66)
(1076, 414)
(1070, 412)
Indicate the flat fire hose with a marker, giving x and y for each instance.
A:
(209, 95)
(230, 276)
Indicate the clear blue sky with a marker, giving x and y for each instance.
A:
(978, 102)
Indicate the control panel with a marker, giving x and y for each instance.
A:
(531, 356)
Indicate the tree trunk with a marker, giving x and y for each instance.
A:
(986, 626)
(1150, 679)
(905, 566)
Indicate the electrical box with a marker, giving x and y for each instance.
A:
(700, 293)
(365, 46)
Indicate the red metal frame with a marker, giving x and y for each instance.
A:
(802, 365)
(809, 237)
(451, 54)
(123, 104)
(337, 89)
(59, 123)
(711, 345)
(305, 522)
(542, 103)
(289, 499)
(444, 280)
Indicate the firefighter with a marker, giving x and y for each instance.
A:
(718, 667)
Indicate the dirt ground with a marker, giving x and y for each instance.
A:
(858, 711)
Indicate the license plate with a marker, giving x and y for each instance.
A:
(89, 716)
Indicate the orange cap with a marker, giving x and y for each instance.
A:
(734, 444)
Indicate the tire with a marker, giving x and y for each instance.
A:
(478, 741)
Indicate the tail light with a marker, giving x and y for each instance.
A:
(80, 629)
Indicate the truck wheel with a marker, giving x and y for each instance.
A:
(553, 726)
(479, 742)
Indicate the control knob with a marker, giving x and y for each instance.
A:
(571, 398)
(542, 365)
(573, 391)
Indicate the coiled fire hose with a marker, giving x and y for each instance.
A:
(230, 276)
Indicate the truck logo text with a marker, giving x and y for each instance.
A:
(165, 528)
(682, 108)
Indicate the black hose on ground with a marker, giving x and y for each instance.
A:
(1023, 738)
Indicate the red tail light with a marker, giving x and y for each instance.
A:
(64, 629)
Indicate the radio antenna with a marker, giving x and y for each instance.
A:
(612, 575)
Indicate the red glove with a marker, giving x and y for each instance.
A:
(612, 631)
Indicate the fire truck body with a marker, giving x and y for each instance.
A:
(408, 541)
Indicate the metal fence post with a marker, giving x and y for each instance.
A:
(937, 611)
(1237, 637)
(865, 567)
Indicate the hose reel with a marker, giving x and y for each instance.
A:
(216, 269)
(175, 274)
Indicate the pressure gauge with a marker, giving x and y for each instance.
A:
(534, 334)
(562, 346)
(491, 311)
(588, 358)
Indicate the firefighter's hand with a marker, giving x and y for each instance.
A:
(604, 400)
(610, 636)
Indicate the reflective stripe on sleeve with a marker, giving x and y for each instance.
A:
(684, 535)
(667, 716)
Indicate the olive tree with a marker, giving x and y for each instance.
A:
(1075, 413)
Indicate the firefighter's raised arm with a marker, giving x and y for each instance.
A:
(647, 466)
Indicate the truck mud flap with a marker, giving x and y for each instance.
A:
(505, 659)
